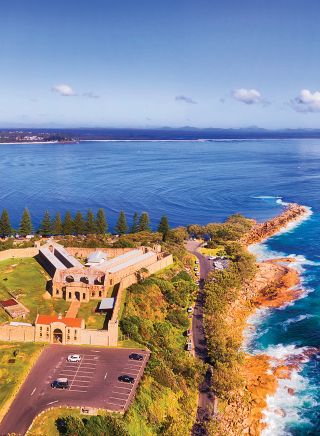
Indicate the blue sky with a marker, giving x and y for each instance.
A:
(147, 63)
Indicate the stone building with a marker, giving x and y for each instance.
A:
(71, 280)
(57, 329)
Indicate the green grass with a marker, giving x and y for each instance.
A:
(27, 281)
(210, 251)
(13, 374)
(93, 320)
(45, 424)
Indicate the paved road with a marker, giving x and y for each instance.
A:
(205, 399)
(93, 382)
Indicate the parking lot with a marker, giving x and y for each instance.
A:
(93, 382)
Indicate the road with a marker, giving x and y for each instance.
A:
(93, 382)
(206, 400)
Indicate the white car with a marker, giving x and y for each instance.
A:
(190, 309)
(74, 358)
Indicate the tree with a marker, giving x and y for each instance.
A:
(79, 224)
(25, 223)
(135, 223)
(101, 222)
(46, 226)
(67, 227)
(144, 222)
(5, 226)
(121, 226)
(91, 227)
(57, 225)
(164, 227)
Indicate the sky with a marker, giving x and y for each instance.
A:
(149, 63)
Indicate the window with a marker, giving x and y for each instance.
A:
(93, 294)
(57, 292)
(40, 335)
(68, 337)
(41, 328)
(47, 329)
(84, 296)
(68, 331)
(70, 295)
(100, 293)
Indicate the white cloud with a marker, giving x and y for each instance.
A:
(248, 96)
(307, 101)
(185, 99)
(64, 90)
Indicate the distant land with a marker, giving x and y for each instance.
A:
(164, 133)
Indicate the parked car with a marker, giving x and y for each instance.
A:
(188, 332)
(60, 383)
(126, 379)
(197, 273)
(189, 346)
(74, 358)
(190, 309)
(195, 268)
(196, 261)
(136, 356)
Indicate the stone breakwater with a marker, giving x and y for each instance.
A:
(261, 231)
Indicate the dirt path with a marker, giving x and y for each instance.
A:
(73, 309)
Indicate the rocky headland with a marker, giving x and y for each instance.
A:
(274, 285)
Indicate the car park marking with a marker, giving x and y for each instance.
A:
(52, 402)
(118, 399)
(76, 390)
(115, 404)
(33, 392)
(105, 376)
(121, 393)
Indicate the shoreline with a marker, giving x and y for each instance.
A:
(275, 284)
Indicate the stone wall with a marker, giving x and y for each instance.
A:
(17, 333)
(18, 253)
(99, 337)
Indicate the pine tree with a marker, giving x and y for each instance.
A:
(144, 222)
(79, 224)
(121, 226)
(67, 227)
(135, 223)
(57, 225)
(164, 227)
(46, 226)
(101, 222)
(91, 227)
(25, 223)
(5, 226)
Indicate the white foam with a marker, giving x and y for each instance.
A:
(296, 319)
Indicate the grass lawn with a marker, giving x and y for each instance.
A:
(45, 424)
(87, 311)
(26, 279)
(210, 251)
(13, 374)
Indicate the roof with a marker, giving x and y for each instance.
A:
(106, 303)
(97, 257)
(8, 303)
(69, 322)
(104, 266)
(131, 262)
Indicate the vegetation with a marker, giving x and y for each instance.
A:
(101, 222)
(121, 226)
(144, 222)
(5, 226)
(164, 227)
(25, 223)
(16, 360)
(135, 223)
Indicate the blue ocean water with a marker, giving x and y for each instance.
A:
(197, 182)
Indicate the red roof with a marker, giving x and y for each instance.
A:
(8, 303)
(69, 322)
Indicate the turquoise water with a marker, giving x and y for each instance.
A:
(292, 331)
(197, 182)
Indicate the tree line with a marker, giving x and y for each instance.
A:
(90, 224)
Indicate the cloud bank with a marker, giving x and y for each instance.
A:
(64, 90)
(307, 101)
(185, 99)
(248, 96)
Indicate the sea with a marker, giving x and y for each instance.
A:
(199, 181)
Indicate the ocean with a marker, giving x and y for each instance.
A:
(198, 182)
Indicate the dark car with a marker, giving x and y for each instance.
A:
(60, 383)
(126, 379)
(135, 356)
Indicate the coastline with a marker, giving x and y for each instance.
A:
(275, 284)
